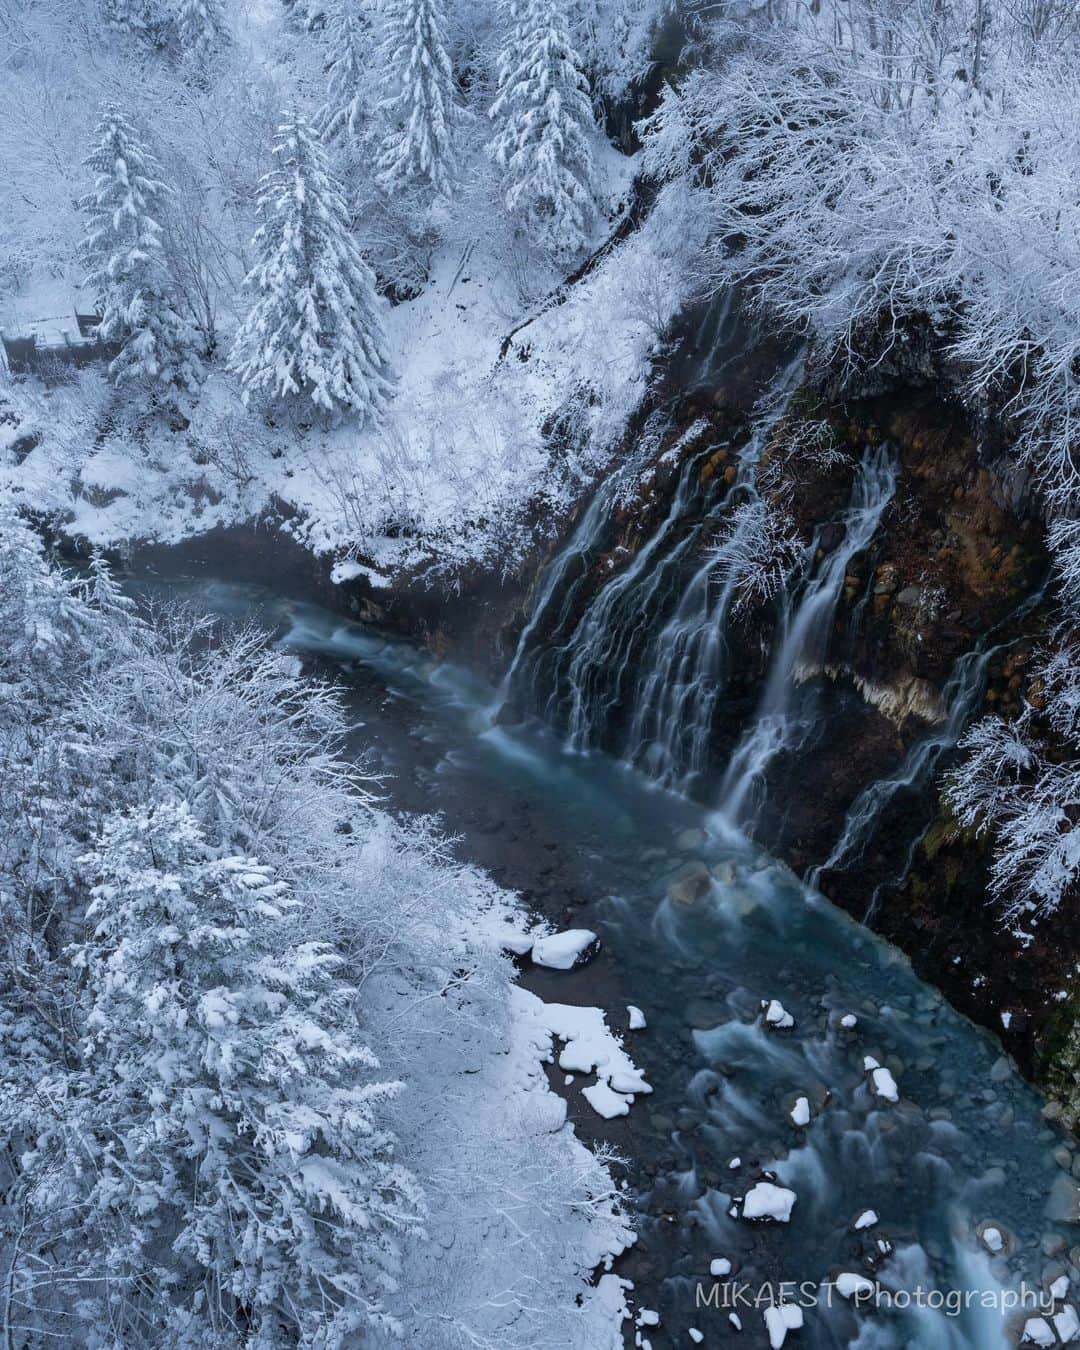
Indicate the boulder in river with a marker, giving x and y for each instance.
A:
(689, 885)
(994, 1237)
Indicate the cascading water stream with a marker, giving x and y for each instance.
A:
(961, 695)
(862, 821)
(596, 659)
(785, 717)
(637, 669)
(559, 583)
(669, 734)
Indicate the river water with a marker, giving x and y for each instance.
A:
(591, 842)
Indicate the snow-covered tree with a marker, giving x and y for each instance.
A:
(420, 107)
(348, 75)
(123, 249)
(315, 331)
(616, 39)
(201, 29)
(886, 164)
(199, 902)
(544, 121)
(307, 15)
(229, 1105)
(144, 18)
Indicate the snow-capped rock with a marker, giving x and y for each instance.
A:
(563, 951)
(776, 1015)
(768, 1201)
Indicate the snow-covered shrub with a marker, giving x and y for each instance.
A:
(1008, 785)
(755, 553)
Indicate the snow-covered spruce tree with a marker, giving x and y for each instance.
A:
(229, 1121)
(544, 119)
(418, 149)
(342, 117)
(123, 250)
(314, 332)
(201, 29)
(46, 636)
(143, 18)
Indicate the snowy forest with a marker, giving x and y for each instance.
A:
(514, 518)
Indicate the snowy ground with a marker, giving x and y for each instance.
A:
(462, 457)
(520, 1213)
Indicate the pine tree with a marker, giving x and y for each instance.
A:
(305, 15)
(314, 330)
(123, 250)
(201, 29)
(342, 116)
(142, 18)
(544, 118)
(418, 150)
(232, 1122)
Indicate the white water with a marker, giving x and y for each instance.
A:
(783, 721)
(669, 734)
(685, 668)
(557, 578)
(599, 644)
(640, 670)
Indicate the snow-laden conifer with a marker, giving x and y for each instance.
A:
(544, 120)
(229, 1102)
(201, 29)
(418, 148)
(314, 331)
(144, 18)
(124, 252)
(348, 74)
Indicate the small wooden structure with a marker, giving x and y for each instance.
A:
(45, 345)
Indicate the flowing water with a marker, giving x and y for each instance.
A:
(637, 665)
(786, 716)
(589, 840)
(961, 696)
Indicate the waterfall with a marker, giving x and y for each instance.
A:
(637, 666)
(558, 582)
(684, 676)
(786, 715)
(585, 649)
(961, 695)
